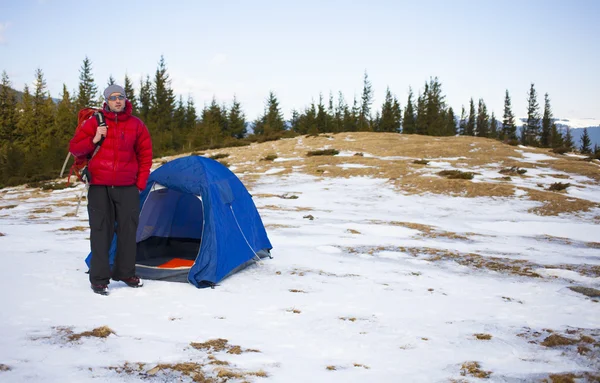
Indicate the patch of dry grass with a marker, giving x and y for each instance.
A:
(99, 332)
(323, 152)
(279, 226)
(292, 310)
(215, 345)
(483, 336)
(513, 171)
(477, 261)
(574, 343)
(8, 207)
(74, 228)
(426, 230)
(66, 333)
(42, 210)
(296, 291)
(456, 174)
(587, 291)
(220, 344)
(558, 186)
(474, 369)
(4, 367)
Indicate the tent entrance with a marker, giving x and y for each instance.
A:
(169, 234)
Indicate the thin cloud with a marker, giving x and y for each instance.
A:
(3, 28)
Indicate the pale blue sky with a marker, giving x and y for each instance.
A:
(301, 48)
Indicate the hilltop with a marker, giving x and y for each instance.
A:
(384, 269)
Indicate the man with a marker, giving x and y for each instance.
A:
(118, 173)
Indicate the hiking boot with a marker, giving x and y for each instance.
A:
(100, 289)
(134, 281)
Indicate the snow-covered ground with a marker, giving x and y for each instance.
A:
(354, 292)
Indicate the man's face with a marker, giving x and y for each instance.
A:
(116, 102)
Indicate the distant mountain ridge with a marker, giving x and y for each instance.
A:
(577, 125)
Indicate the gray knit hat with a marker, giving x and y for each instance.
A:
(114, 89)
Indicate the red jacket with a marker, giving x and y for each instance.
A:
(125, 156)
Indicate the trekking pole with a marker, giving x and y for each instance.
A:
(65, 164)
(81, 196)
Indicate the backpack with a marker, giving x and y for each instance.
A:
(79, 167)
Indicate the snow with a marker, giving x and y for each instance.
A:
(365, 303)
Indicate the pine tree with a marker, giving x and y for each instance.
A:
(111, 81)
(162, 107)
(86, 97)
(365, 107)
(388, 118)
(462, 124)
(556, 138)
(546, 136)
(531, 129)
(470, 131)
(450, 123)
(434, 121)
(26, 117)
(421, 117)
(271, 123)
(43, 114)
(397, 113)
(66, 118)
(568, 141)
(322, 118)
(130, 93)
(483, 124)
(351, 117)
(236, 120)
(597, 152)
(8, 110)
(340, 109)
(509, 129)
(145, 99)
(307, 121)
(585, 143)
(493, 126)
(409, 123)
(178, 128)
(330, 114)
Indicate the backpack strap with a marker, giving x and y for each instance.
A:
(101, 122)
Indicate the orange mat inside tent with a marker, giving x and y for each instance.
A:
(176, 263)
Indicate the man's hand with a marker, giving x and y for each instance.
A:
(100, 132)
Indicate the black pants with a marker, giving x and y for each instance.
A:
(108, 205)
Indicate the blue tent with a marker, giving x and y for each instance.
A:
(198, 223)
